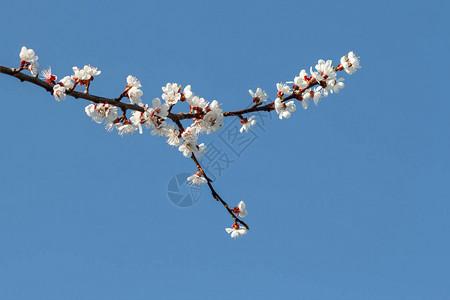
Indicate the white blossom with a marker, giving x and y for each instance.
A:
(259, 96)
(350, 63)
(336, 86)
(173, 135)
(314, 94)
(354, 60)
(187, 93)
(213, 119)
(59, 89)
(197, 179)
(28, 55)
(284, 110)
(324, 70)
(59, 92)
(124, 129)
(101, 111)
(247, 124)
(151, 119)
(236, 231)
(85, 74)
(136, 119)
(48, 76)
(67, 82)
(161, 110)
(188, 147)
(160, 128)
(34, 68)
(133, 82)
(190, 133)
(135, 94)
(302, 79)
(197, 102)
(201, 149)
(171, 93)
(283, 89)
(240, 210)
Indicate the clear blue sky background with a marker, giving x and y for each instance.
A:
(349, 200)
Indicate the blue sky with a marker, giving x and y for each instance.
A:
(347, 200)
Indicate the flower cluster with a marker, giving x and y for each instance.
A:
(101, 112)
(237, 230)
(323, 75)
(28, 60)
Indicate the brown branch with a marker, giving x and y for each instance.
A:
(49, 88)
(268, 107)
(208, 181)
(216, 195)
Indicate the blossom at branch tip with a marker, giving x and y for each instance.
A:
(350, 63)
(236, 231)
(284, 110)
(197, 179)
(283, 89)
(240, 210)
(28, 55)
(247, 124)
(259, 96)
(171, 93)
(133, 82)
